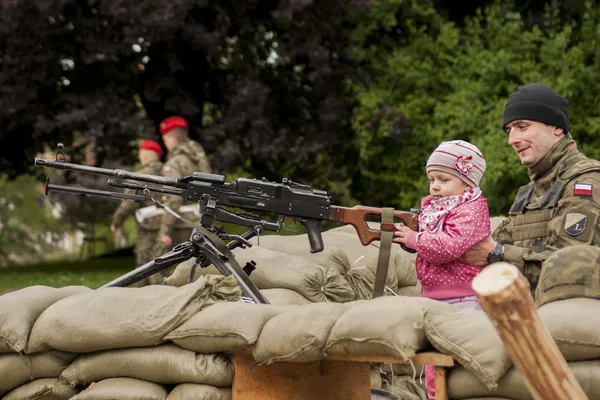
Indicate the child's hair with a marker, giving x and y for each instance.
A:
(460, 159)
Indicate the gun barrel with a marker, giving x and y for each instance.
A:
(92, 192)
(117, 173)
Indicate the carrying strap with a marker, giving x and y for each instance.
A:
(385, 250)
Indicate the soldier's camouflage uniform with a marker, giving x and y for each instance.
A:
(548, 213)
(148, 228)
(568, 273)
(183, 160)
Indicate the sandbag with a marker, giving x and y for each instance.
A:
(410, 291)
(375, 378)
(42, 389)
(361, 274)
(20, 309)
(413, 370)
(383, 326)
(16, 369)
(284, 297)
(192, 391)
(164, 364)
(278, 270)
(123, 389)
(463, 384)
(406, 388)
(117, 317)
(574, 324)
(225, 327)
(470, 337)
(297, 335)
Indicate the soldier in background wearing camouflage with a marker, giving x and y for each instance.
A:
(559, 207)
(147, 226)
(185, 157)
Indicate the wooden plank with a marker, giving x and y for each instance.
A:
(441, 392)
(425, 358)
(325, 379)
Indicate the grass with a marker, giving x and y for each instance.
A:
(92, 273)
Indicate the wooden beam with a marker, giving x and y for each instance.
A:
(325, 379)
(504, 294)
(425, 358)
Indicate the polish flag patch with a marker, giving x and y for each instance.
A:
(582, 189)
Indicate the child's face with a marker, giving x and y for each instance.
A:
(442, 184)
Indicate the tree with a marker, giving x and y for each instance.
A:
(436, 81)
(261, 82)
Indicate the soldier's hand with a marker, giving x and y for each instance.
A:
(477, 255)
(166, 240)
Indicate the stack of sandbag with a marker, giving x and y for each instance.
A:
(344, 271)
(19, 311)
(384, 326)
(279, 270)
(113, 338)
(485, 368)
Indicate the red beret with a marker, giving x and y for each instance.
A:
(151, 145)
(171, 123)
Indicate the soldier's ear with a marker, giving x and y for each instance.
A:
(558, 132)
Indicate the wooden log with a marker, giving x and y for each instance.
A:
(504, 294)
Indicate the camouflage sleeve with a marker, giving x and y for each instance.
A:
(574, 222)
(174, 202)
(125, 210)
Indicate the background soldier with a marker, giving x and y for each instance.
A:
(560, 206)
(148, 222)
(185, 156)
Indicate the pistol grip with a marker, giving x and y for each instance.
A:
(314, 235)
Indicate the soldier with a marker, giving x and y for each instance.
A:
(184, 158)
(559, 207)
(147, 225)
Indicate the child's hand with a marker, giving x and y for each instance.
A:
(403, 234)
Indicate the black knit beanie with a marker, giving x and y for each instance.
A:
(537, 102)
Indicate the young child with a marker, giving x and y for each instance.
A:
(454, 216)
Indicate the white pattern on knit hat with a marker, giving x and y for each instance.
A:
(460, 159)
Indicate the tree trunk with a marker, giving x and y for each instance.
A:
(504, 293)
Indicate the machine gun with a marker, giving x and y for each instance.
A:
(289, 200)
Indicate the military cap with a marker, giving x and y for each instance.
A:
(572, 271)
(171, 123)
(151, 145)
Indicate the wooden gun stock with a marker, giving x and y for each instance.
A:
(357, 217)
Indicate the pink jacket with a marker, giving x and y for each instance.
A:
(440, 274)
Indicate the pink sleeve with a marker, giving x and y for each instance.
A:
(463, 227)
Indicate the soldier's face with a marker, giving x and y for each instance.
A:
(532, 140)
(442, 184)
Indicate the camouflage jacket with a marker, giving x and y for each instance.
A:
(183, 160)
(128, 208)
(558, 208)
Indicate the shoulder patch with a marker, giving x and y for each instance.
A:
(583, 189)
(575, 223)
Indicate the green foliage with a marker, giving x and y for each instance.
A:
(443, 82)
(26, 223)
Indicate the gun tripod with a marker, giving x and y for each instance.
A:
(206, 245)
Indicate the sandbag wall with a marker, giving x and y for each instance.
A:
(174, 343)
(77, 343)
(344, 271)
